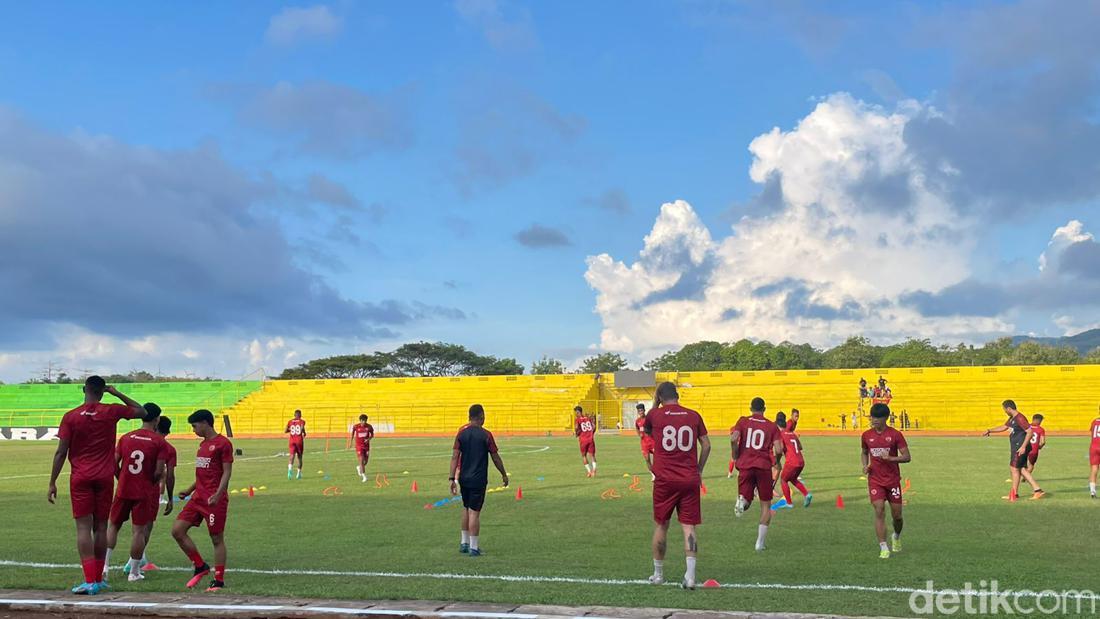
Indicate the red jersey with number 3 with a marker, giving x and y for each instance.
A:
(214, 454)
(1037, 434)
(138, 452)
(363, 433)
(792, 450)
(585, 428)
(297, 430)
(675, 431)
(758, 436)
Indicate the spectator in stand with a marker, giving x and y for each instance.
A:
(864, 393)
(855, 421)
(881, 393)
(843, 421)
(904, 420)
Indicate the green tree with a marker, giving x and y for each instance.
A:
(664, 363)
(855, 352)
(546, 365)
(744, 355)
(698, 357)
(1093, 356)
(1034, 353)
(603, 363)
(341, 366)
(912, 353)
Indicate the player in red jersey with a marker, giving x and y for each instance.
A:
(209, 499)
(681, 449)
(585, 429)
(87, 439)
(793, 463)
(296, 428)
(647, 442)
(1038, 441)
(884, 448)
(361, 434)
(140, 458)
(1094, 454)
(1019, 441)
(756, 443)
(167, 487)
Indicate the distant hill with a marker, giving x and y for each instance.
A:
(1084, 341)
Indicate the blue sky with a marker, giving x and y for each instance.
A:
(280, 181)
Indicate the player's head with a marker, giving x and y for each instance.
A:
(363, 418)
(297, 414)
(862, 381)
(477, 414)
(640, 408)
(666, 393)
(879, 414)
(94, 387)
(1009, 407)
(164, 425)
(152, 412)
(794, 412)
(781, 420)
(757, 406)
(1037, 419)
(578, 411)
(202, 421)
(881, 381)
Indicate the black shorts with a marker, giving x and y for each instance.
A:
(473, 497)
(1017, 461)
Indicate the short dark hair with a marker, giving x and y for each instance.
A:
(164, 425)
(781, 419)
(297, 411)
(640, 406)
(1009, 404)
(152, 411)
(363, 416)
(95, 383)
(666, 392)
(477, 411)
(1037, 417)
(757, 405)
(578, 409)
(880, 410)
(794, 410)
(201, 415)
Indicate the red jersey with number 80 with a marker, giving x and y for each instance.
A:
(675, 431)
(138, 452)
(792, 450)
(758, 436)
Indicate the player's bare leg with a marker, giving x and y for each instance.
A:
(1015, 472)
(765, 520)
(300, 455)
(137, 551)
(1092, 480)
(362, 470)
(187, 545)
(691, 550)
(112, 541)
(99, 543)
(587, 466)
(895, 540)
(218, 539)
(464, 547)
(85, 547)
(880, 528)
(660, 547)
(290, 465)
(1037, 492)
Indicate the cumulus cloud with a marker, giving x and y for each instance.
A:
(293, 25)
(537, 236)
(505, 27)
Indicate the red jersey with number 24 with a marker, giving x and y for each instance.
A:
(675, 431)
(138, 452)
(878, 445)
(758, 436)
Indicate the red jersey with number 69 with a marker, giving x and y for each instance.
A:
(675, 431)
(297, 430)
(758, 436)
(878, 445)
(792, 450)
(362, 433)
(214, 454)
(585, 428)
(138, 453)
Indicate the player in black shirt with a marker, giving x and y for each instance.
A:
(473, 447)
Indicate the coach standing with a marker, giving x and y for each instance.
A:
(87, 439)
(1020, 443)
(473, 447)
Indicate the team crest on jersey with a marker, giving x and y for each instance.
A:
(211, 448)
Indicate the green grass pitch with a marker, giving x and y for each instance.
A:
(958, 529)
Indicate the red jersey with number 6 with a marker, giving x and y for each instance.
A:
(792, 450)
(138, 453)
(758, 436)
(214, 454)
(675, 431)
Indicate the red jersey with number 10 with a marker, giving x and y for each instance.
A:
(792, 450)
(585, 428)
(758, 436)
(675, 431)
(138, 453)
(297, 430)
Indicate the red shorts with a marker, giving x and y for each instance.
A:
(588, 448)
(140, 511)
(296, 449)
(879, 492)
(647, 445)
(1094, 456)
(790, 473)
(198, 511)
(362, 450)
(91, 496)
(759, 480)
(1032, 456)
(679, 496)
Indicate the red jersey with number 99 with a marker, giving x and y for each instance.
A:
(296, 428)
(138, 452)
(758, 435)
(675, 431)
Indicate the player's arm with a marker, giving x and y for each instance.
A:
(735, 442)
(188, 492)
(58, 462)
(169, 487)
(303, 429)
(779, 450)
(158, 475)
(1000, 428)
(223, 485)
(287, 430)
(902, 457)
(456, 455)
(865, 459)
(1042, 440)
(497, 462)
(1027, 442)
(136, 410)
(704, 452)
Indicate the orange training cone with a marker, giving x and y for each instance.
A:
(839, 502)
(251, 491)
(414, 488)
(519, 493)
(711, 584)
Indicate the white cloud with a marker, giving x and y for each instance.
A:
(146, 345)
(851, 227)
(295, 24)
(1063, 237)
(504, 29)
(190, 353)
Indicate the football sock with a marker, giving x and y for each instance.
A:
(897, 535)
(107, 557)
(144, 559)
(690, 574)
(89, 567)
(219, 572)
(133, 564)
(99, 566)
(465, 537)
(1092, 487)
(588, 467)
(593, 466)
(883, 546)
(786, 492)
(473, 543)
(658, 568)
(761, 535)
(196, 558)
(801, 488)
(290, 467)
(359, 470)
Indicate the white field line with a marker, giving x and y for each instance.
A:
(320, 610)
(1023, 593)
